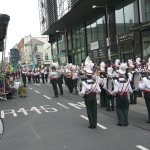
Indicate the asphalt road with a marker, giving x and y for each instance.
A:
(41, 122)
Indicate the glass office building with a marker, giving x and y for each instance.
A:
(124, 30)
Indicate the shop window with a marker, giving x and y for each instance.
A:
(119, 18)
(148, 11)
(61, 43)
(88, 31)
(79, 58)
(76, 59)
(146, 47)
(78, 37)
(54, 48)
(94, 30)
(69, 41)
(82, 35)
(100, 28)
(130, 14)
(83, 56)
(74, 38)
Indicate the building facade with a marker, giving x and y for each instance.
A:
(115, 29)
(35, 50)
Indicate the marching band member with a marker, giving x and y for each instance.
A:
(107, 95)
(33, 75)
(115, 72)
(24, 72)
(138, 70)
(121, 89)
(101, 81)
(59, 80)
(29, 74)
(89, 90)
(75, 78)
(36, 74)
(133, 96)
(42, 70)
(144, 85)
(69, 79)
(53, 78)
(46, 71)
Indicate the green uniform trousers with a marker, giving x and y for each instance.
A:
(133, 98)
(70, 84)
(60, 85)
(108, 99)
(102, 97)
(91, 107)
(54, 84)
(122, 108)
(147, 101)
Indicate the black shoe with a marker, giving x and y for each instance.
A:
(108, 110)
(130, 103)
(101, 106)
(94, 127)
(148, 121)
(90, 127)
(125, 124)
(55, 96)
(121, 125)
(61, 93)
(112, 109)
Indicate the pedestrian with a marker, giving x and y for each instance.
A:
(24, 73)
(89, 90)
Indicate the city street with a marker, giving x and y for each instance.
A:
(41, 122)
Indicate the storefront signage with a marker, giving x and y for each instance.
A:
(101, 53)
(126, 37)
(94, 45)
(95, 53)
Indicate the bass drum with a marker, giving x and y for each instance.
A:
(109, 84)
(136, 78)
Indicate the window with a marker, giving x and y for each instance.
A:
(74, 38)
(94, 30)
(88, 31)
(100, 28)
(46, 56)
(119, 18)
(82, 35)
(69, 41)
(54, 48)
(61, 43)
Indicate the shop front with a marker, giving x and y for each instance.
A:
(127, 46)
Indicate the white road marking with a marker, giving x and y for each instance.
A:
(37, 91)
(74, 105)
(11, 111)
(63, 105)
(30, 88)
(141, 147)
(37, 84)
(47, 97)
(99, 125)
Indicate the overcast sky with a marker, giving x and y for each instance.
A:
(24, 20)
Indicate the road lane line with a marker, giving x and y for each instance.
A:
(37, 84)
(99, 125)
(47, 97)
(37, 91)
(141, 147)
(30, 88)
(63, 105)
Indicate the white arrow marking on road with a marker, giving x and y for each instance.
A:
(37, 91)
(47, 97)
(63, 105)
(99, 125)
(30, 88)
(11, 111)
(141, 147)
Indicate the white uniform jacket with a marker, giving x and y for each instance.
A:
(121, 88)
(89, 88)
(145, 85)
